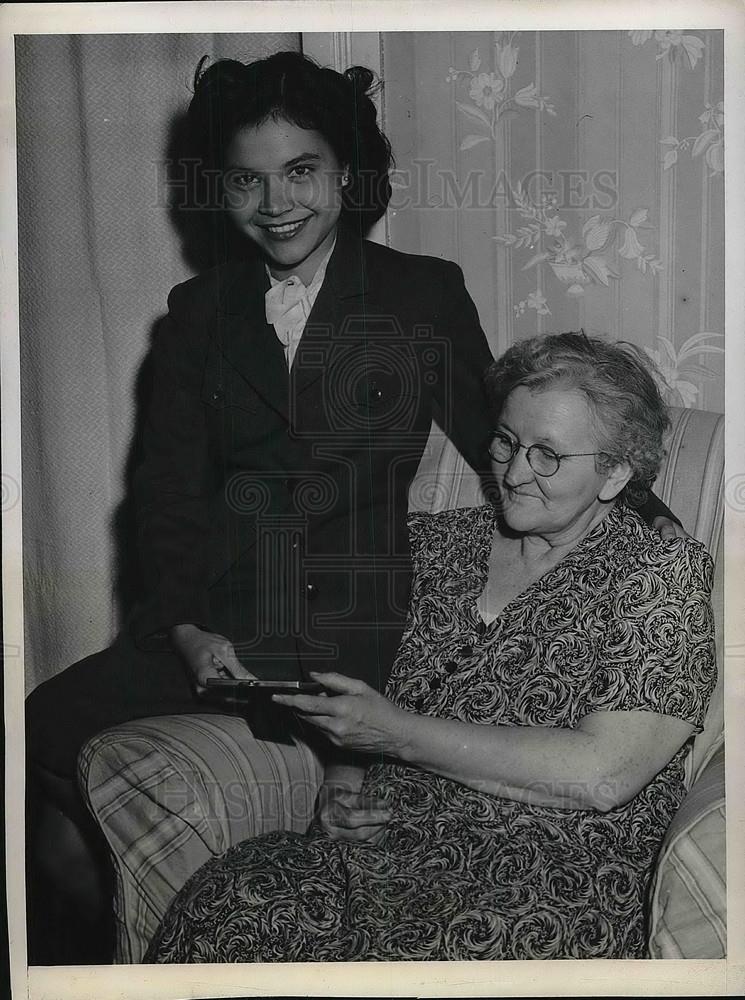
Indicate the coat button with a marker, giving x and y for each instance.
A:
(217, 395)
(451, 666)
(311, 591)
(435, 683)
(466, 651)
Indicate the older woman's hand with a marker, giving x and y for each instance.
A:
(346, 815)
(356, 717)
(669, 529)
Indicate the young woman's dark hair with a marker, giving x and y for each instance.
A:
(229, 95)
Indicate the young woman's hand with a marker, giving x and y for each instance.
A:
(206, 655)
(353, 715)
(669, 529)
(346, 815)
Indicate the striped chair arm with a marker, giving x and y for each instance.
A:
(172, 792)
(688, 903)
(444, 480)
(691, 478)
(691, 483)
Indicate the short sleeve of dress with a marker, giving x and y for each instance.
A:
(421, 528)
(427, 537)
(657, 653)
(437, 539)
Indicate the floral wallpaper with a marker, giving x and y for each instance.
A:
(577, 177)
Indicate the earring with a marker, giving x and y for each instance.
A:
(345, 180)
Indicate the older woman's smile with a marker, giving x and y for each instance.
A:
(575, 496)
(517, 494)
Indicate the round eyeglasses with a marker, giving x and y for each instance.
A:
(543, 460)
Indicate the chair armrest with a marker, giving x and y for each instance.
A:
(688, 900)
(170, 793)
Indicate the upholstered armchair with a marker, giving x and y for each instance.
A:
(171, 792)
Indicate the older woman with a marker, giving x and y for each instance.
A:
(528, 754)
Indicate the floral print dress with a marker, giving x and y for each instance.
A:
(622, 623)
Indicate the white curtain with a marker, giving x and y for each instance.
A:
(98, 254)
(615, 139)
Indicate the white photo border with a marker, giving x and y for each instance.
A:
(569, 978)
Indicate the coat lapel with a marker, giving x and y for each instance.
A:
(246, 339)
(342, 293)
(250, 343)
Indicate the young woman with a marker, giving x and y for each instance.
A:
(291, 399)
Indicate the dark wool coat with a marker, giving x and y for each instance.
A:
(272, 505)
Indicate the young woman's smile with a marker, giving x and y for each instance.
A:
(283, 187)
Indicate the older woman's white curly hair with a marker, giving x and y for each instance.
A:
(616, 380)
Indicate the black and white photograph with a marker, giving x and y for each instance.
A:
(373, 521)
